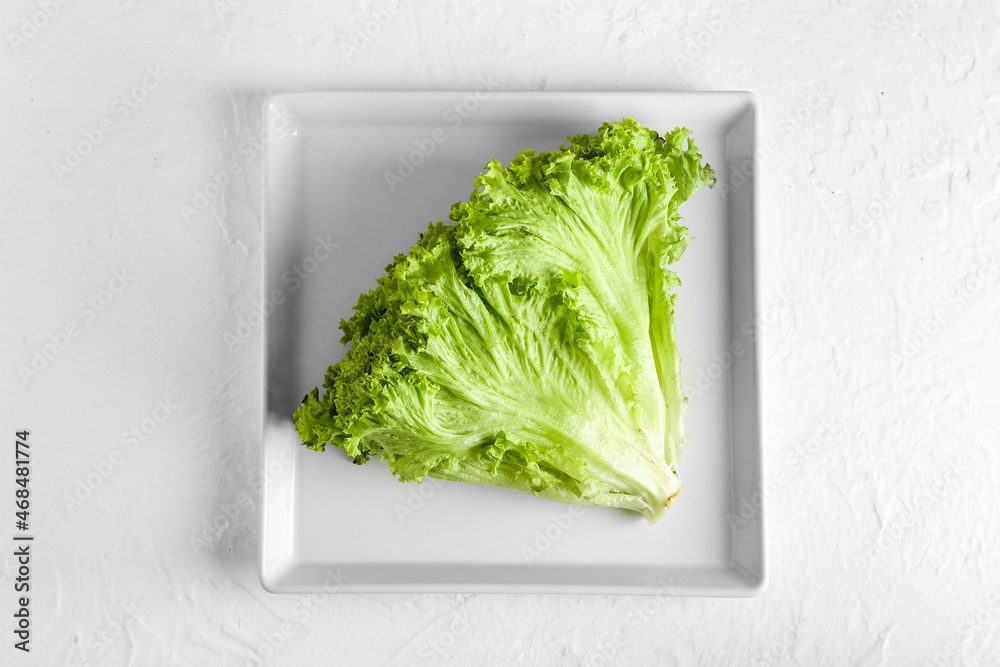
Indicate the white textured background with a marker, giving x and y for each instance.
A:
(882, 389)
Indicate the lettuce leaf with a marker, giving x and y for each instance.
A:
(530, 344)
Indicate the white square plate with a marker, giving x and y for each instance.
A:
(351, 179)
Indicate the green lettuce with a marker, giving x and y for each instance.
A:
(530, 344)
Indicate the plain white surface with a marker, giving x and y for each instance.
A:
(881, 376)
(351, 180)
